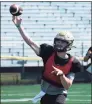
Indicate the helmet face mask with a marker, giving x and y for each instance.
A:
(60, 45)
(63, 42)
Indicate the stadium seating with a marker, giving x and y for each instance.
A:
(42, 21)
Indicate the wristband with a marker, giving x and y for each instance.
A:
(17, 26)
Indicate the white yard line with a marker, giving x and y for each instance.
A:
(20, 94)
(79, 95)
(16, 100)
(77, 92)
(80, 100)
(33, 94)
(29, 99)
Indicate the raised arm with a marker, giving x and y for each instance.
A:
(17, 21)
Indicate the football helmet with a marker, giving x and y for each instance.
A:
(64, 36)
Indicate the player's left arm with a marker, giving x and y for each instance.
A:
(65, 81)
(88, 54)
(68, 80)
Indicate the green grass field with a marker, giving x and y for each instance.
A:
(77, 94)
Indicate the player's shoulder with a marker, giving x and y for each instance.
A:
(46, 46)
(75, 59)
(90, 48)
(46, 50)
(76, 65)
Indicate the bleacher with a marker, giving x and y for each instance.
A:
(42, 21)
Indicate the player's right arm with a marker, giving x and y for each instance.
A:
(17, 21)
(88, 54)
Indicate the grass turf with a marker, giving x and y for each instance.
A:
(77, 94)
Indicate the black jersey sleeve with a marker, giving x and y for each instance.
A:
(90, 49)
(87, 54)
(76, 66)
(45, 50)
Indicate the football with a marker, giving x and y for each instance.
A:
(15, 10)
